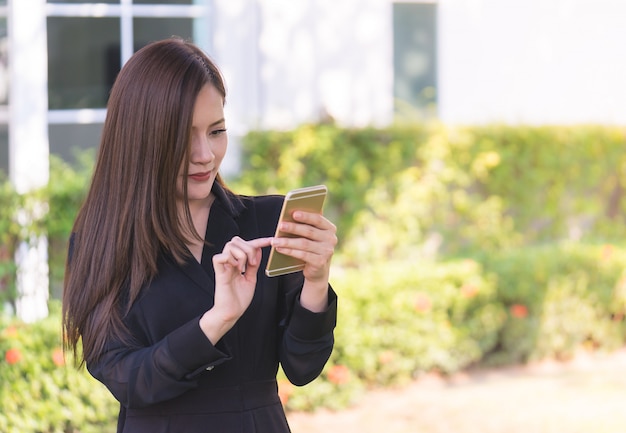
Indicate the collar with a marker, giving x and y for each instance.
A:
(227, 200)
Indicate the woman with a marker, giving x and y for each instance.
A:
(165, 285)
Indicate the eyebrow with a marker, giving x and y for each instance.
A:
(217, 122)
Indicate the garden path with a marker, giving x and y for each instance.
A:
(584, 395)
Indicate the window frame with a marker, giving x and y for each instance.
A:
(126, 11)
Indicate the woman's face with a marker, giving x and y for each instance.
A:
(207, 149)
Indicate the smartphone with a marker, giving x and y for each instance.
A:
(309, 199)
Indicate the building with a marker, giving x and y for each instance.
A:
(292, 61)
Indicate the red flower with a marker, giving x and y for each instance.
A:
(423, 303)
(58, 357)
(338, 374)
(13, 356)
(386, 357)
(519, 311)
(10, 331)
(285, 389)
(469, 290)
(607, 252)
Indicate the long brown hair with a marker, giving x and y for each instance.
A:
(130, 215)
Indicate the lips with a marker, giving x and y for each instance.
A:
(200, 177)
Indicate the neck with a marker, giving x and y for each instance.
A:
(199, 211)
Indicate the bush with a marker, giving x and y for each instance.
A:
(453, 190)
(398, 320)
(458, 246)
(39, 392)
(61, 200)
(560, 297)
(65, 192)
(9, 233)
(348, 161)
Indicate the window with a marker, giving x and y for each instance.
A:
(83, 1)
(83, 61)
(415, 58)
(88, 41)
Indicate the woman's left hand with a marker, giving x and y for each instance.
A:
(315, 241)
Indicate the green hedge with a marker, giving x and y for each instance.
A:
(398, 320)
(485, 187)
(9, 229)
(39, 393)
(567, 296)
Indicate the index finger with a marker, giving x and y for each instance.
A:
(260, 242)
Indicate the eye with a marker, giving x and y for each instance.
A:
(217, 132)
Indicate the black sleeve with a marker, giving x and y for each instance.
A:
(307, 337)
(139, 377)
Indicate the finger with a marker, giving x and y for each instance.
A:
(310, 258)
(260, 242)
(230, 258)
(236, 253)
(312, 218)
(303, 248)
(252, 248)
(308, 224)
(298, 231)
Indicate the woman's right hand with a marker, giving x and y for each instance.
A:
(235, 281)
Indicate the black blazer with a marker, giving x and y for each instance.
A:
(177, 381)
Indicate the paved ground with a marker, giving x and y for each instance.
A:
(585, 395)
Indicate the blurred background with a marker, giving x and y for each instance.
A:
(473, 150)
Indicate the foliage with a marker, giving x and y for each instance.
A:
(400, 319)
(65, 192)
(458, 246)
(451, 190)
(9, 232)
(38, 391)
(556, 182)
(560, 297)
(50, 210)
(348, 161)
(395, 324)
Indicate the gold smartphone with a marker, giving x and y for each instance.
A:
(309, 199)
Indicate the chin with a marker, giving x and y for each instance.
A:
(199, 192)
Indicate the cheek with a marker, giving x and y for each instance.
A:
(220, 148)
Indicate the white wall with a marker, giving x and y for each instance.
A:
(235, 29)
(532, 61)
(514, 61)
(288, 62)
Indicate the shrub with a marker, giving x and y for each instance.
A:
(348, 161)
(65, 192)
(532, 206)
(398, 320)
(39, 392)
(560, 297)
(9, 235)
(456, 189)
(61, 200)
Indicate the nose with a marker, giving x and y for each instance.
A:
(201, 151)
